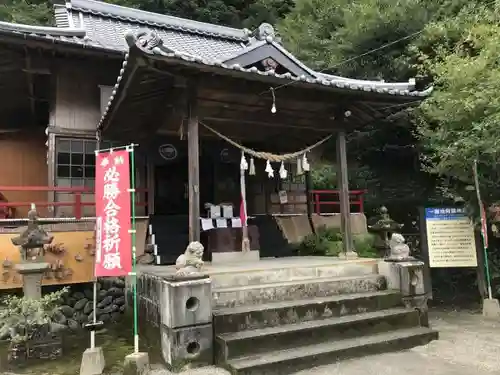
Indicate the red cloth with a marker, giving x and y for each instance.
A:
(243, 216)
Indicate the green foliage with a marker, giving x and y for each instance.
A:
(459, 122)
(236, 13)
(326, 241)
(31, 12)
(365, 245)
(24, 315)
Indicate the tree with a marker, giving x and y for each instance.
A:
(31, 12)
(459, 122)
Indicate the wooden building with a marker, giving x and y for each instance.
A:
(178, 81)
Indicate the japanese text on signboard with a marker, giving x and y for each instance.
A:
(450, 238)
(113, 241)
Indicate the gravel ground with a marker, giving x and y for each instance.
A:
(468, 345)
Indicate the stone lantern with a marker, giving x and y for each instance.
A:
(32, 267)
(384, 227)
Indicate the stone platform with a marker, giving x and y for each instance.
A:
(280, 315)
(270, 270)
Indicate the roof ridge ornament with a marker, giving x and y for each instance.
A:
(146, 40)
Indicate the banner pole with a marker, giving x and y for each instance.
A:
(134, 259)
(484, 228)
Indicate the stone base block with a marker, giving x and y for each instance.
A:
(236, 256)
(187, 347)
(92, 362)
(491, 308)
(186, 303)
(136, 364)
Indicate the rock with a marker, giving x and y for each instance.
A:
(119, 283)
(115, 316)
(70, 301)
(119, 301)
(57, 328)
(59, 318)
(5, 332)
(105, 302)
(115, 292)
(89, 307)
(107, 310)
(101, 295)
(105, 318)
(81, 304)
(123, 308)
(67, 311)
(115, 308)
(73, 325)
(89, 294)
(80, 317)
(78, 295)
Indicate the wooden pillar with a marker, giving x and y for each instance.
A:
(194, 166)
(308, 182)
(343, 181)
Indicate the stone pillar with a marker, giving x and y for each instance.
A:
(32, 274)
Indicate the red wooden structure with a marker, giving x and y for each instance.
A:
(323, 200)
(7, 208)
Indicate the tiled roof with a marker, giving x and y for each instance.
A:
(95, 24)
(107, 25)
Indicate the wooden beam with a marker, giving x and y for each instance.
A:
(345, 208)
(264, 123)
(31, 87)
(194, 166)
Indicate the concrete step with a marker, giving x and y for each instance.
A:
(291, 270)
(245, 343)
(241, 318)
(283, 362)
(295, 290)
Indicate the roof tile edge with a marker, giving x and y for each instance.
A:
(45, 30)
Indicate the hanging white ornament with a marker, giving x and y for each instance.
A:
(299, 166)
(305, 164)
(251, 172)
(243, 162)
(283, 171)
(269, 169)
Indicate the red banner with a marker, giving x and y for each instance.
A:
(113, 255)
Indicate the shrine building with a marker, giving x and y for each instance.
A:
(199, 100)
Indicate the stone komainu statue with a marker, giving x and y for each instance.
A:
(191, 261)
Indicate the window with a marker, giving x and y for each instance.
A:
(75, 167)
(75, 161)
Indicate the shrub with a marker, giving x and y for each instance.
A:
(365, 245)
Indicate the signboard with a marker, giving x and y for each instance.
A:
(450, 238)
(113, 239)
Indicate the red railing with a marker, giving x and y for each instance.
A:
(77, 203)
(322, 198)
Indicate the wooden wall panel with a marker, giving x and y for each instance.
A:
(77, 105)
(23, 163)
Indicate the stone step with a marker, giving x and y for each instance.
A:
(295, 290)
(245, 343)
(241, 318)
(283, 362)
(293, 271)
